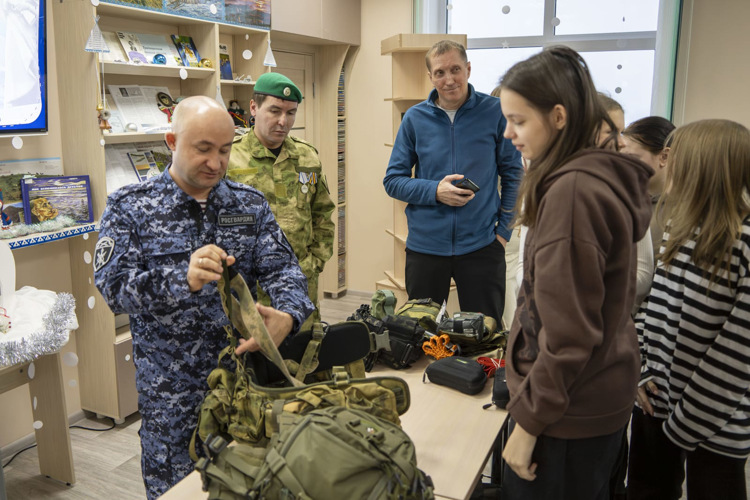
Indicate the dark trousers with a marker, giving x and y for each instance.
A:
(567, 469)
(479, 276)
(657, 467)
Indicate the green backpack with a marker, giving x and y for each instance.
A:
(423, 310)
(334, 452)
(264, 419)
(235, 407)
(383, 304)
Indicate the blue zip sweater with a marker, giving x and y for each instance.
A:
(473, 145)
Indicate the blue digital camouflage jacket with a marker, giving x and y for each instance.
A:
(148, 232)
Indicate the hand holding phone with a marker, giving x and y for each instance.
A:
(454, 195)
(467, 183)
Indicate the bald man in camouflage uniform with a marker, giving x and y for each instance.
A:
(288, 172)
(159, 254)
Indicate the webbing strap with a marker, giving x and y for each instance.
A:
(310, 359)
(236, 461)
(249, 321)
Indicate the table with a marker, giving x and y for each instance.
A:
(453, 435)
(53, 438)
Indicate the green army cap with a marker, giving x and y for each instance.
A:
(277, 85)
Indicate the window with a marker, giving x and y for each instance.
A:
(488, 65)
(485, 18)
(616, 37)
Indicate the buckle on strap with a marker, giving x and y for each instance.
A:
(340, 376)
(275, 461)
(380, 341)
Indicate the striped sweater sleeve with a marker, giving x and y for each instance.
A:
(722, 378)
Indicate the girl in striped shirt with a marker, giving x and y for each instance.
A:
(694, 327)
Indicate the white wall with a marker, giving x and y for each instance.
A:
(370, 210)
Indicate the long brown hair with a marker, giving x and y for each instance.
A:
(708, 176)
(557, 75)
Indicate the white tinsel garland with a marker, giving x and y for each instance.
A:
(52, 339)
(47, 226)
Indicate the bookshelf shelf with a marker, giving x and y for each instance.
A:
(239, 84)
(405, 99)
(388, 145)
(41, 238)
(399, 237)
(112, 68)
(128, 137)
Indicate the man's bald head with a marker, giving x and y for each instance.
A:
(199, 109)
(200, 140)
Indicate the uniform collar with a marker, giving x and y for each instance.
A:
(173, 192)
(258, 150)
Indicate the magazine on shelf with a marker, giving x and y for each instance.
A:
(188, 51)
(225, 63)
(159, 45)
(144, 165)
(138, 104)
(115, 48)
(120, 171)
(132, 46)
(48, 197)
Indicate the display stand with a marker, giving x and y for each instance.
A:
(410, 86)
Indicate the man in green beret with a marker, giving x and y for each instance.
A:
(288, 172)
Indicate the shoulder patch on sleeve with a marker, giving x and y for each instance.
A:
(105, 247)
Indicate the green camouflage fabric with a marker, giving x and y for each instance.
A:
(236, 407)
(383, 304)
(333, 452)
(305, 217)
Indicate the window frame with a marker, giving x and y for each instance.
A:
(590, 42)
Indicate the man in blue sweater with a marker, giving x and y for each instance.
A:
(457, 133)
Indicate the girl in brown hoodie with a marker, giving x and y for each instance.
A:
(573, 352)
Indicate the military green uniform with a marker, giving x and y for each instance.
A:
(298, 195)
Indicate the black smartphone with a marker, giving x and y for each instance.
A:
(467, 183)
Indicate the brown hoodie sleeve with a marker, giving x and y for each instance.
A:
(569, 263)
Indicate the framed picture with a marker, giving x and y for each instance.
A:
(49, 197)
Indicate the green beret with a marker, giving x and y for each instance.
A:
(277, 85)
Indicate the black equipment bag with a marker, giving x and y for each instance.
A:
(462, 374)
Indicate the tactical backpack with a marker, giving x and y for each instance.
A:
(358, 457)
(236, 407)
(383, 304)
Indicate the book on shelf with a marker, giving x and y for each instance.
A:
(159, 45)
(132, 46)
(115, 54)
(188, 51)
(225, 65)
(49, 197)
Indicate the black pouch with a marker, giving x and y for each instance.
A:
(462, 374)
(500, 392)
(406, 337)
